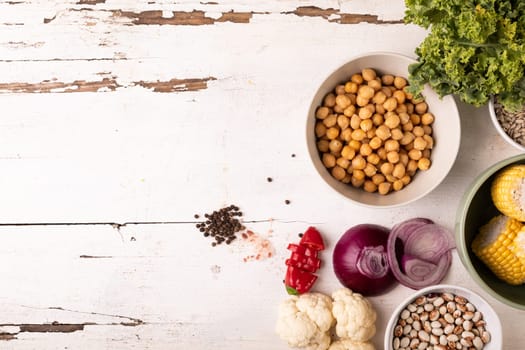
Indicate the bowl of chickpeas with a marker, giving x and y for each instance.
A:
(374, 142)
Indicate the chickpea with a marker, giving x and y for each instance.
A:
(346, 179)
(415, 119)
(322, 112)
(330, 121)
(377, 119)
(421, 107)
(332, 133)
(390, 178)
(427, 129)
(370, 170)
(407, 92)
(328, 160)
(368, 74)
(323, 146)
(348, 152)
(386, 90)
(391, 145)
(355, 122)
(366, 124)
(401, 108)
(335, 146)
(408, 126)
(415, 154)
(343, 121)
(371, 133)
(329, 100)
(369, 186)
(379, 108)
(320, 129)
(404, 117)
(365, 150)
(392, 157)
(373, 159)
(378, 178)
(349, 111)
(351, 87)
(403, 158)
(420, 143)
(346, 135)
(383, 132)
(407, 138)
(427, 119)
(426, 153)
(338, 172)
(423, 164)
(375, 84)
(384, 188)
(375, 142)
(365, 113)
(361, 101)
(358, 135)
(399, 95)
(381, 152)
(357, 78)
(387, 79)
(356, 145)
(342, 101)
(396, 134)
(399, 170)
(366, 92)
(398, 185)
(392, 121)
(356, 182)
(418, 131)
(410, 107)
(379, 97)
(409, 147)
(358, 163)
(390, 104)
(429, 140)
(340, 90)
(400, 82)
(386, 168)
(411, 166)
(352, 98)
(338, 109)
(343, 162)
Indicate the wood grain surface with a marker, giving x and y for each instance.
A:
(121, 120)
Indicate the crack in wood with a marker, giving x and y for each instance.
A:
(104, 85)
(200, 17)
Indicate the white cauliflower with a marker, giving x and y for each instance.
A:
(347, 344)
(304, 321)
(354, 315)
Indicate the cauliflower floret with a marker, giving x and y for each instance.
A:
(354, 315)
(304, 321)
(347, 344)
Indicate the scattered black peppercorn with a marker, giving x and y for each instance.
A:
(196, 216)
(293, 155)
(300, 235)
(222, 225)
(287, 202)
(269, 179)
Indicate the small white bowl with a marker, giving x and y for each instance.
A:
(497, 125)
(446, 133)
(493, 324)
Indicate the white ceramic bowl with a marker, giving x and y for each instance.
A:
(500, 130)
(446, 133)
(493, 324)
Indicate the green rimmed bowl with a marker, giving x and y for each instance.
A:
(475, 210)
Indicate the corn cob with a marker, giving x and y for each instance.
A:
(500, 244)
(508, 192)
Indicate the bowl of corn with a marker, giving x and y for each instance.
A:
(374, 142)
(490, 231)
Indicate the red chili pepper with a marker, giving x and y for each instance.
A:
(303, 262)
(312, 239)
(298, 281)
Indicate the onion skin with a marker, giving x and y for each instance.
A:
(346, 256)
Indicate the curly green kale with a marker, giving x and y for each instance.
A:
(474, 49)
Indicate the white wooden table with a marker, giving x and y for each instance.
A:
(122, 119)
